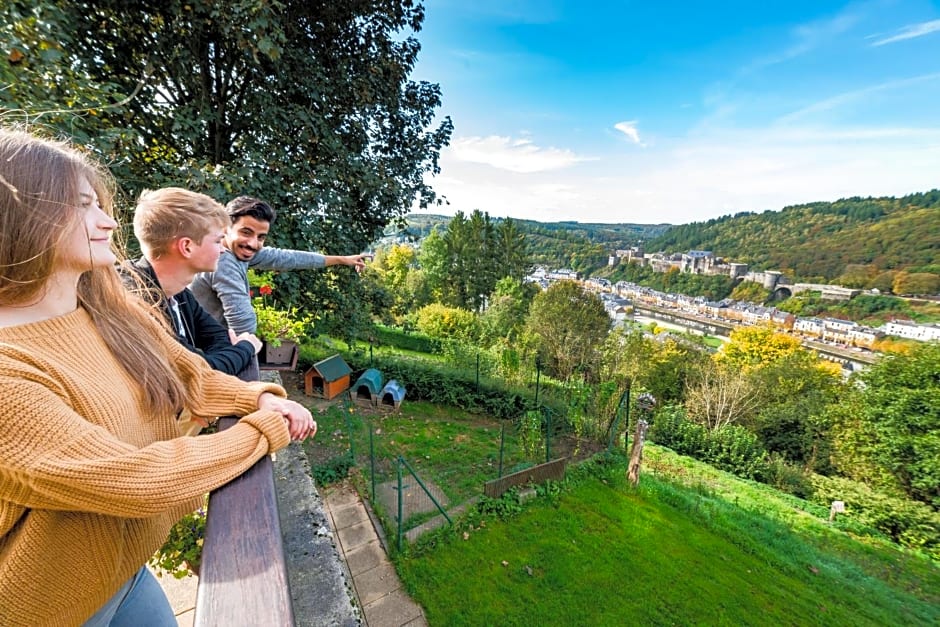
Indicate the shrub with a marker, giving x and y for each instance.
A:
(671, 428)
(909, 523)
(736, 450)
(332, 471)
(444, 322)
(730, 448)
(788, 477)
(181, 554)
(401, 339)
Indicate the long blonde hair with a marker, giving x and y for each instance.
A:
(39, 193)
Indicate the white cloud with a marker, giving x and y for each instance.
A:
(629, 129)
(714, 173)
(910, 32)
(514, 155)
(840, 100)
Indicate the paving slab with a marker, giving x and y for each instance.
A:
(393, 610)
(356, 535)
(342, 496)
(349, 515)
(376, 582)
(181, 593)
(365, 557)
(186, 619)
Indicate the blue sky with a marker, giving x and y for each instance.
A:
(676, 112)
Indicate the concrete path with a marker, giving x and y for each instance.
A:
(383, 600)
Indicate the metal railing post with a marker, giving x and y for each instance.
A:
(372, 460)
(400, 521)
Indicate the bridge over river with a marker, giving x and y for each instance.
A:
(849, 359)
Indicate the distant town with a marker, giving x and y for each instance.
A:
(621, 297)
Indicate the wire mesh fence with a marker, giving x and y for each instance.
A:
(418, 469)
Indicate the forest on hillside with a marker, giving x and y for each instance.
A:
(583, 247)
(856, 242)
(844, 241)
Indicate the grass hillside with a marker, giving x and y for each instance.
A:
(820, 240)
(691, 546)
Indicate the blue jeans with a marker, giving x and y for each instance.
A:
(140, 602)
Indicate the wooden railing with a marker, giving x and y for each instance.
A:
(243, 576)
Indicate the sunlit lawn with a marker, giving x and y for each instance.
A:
(457, 450)
(608, 555)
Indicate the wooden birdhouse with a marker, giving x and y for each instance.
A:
(327, 378)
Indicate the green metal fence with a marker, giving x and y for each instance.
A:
(414, 492)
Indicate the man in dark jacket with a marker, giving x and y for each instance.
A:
(180, 233)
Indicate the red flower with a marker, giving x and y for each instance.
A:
(265, 290)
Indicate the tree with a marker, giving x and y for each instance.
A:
(662, 365)
(753, 347)
(464, 263)
(916, 283)
(794, 396)
(394, 268)
(305, 104)
(433, 260)
(442, 322)
(719, 395)
(900, 414)
(514, 256)
(508, 305)
(569, 325)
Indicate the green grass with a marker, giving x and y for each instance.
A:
(457, 450)
(605, 554)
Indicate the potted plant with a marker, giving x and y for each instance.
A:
(280, 329)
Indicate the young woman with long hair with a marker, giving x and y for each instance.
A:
(93, 469)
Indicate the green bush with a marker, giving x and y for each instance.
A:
(671, 428)
(909, 523)
(401, 339)
(181, 554)
(736, 450)
(730, 448)
(788, 477)
(458, 388)
(334, 470)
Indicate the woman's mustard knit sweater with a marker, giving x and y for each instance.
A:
(90, 479)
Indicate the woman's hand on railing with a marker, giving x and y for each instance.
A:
(300, 422)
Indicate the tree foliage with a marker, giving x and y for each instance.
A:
(464, 262)
(308, 105)
(750, 348)
(660, 364)
(719, 396)
(900, 416)
(441, 322)
(569, 326)
(854, 238)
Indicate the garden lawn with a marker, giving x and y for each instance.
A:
(604, 554)
(456, 450)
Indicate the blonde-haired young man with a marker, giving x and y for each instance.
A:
(180, 233)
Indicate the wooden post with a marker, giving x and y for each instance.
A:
(636, 453)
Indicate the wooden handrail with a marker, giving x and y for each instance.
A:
(243, 576)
